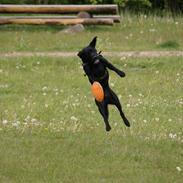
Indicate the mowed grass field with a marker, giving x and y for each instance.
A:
(51, 131)
(50, 128)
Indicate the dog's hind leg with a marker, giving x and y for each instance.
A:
(116, 102)
(103, 109)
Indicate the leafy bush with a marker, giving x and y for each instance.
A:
(135, 5)
(176, 6)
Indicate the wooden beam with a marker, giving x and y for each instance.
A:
(115, 18)
(29, 21)
(64, 9)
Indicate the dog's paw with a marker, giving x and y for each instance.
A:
(108, 128)
(121, 74)
(127, 123)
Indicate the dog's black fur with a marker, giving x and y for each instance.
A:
(95, 67)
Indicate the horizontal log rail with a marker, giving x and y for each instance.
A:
(61, 9)
(115, 18)
(29, 21)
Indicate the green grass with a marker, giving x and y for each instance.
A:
(169, 44)
(133, 33)
(51, 131)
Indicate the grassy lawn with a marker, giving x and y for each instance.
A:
(133, 33)
(51, 131)
(50, 128)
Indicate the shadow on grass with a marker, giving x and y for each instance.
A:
(50, 28)
(31, 28)
(169, 44)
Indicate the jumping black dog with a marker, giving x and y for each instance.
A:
(95, 67)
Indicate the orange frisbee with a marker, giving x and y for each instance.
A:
(97, 91)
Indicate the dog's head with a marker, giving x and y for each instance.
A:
(89, 52)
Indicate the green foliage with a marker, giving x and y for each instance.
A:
(138, 3)
(175, 6)
(95, 1)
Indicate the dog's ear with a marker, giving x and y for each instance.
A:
(93, 42)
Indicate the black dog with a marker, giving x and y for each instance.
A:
(95, 67)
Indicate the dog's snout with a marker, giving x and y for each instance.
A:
(79, 54)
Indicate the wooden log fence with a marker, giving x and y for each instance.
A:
(97, 12)
(115, 18)
(60, 9)
(30, 21)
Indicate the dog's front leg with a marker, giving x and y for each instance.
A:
(111, 67)
(87, 71)
(103, 109)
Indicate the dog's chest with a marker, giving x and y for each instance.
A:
(98, 65)
(96, 62)
(98, 68)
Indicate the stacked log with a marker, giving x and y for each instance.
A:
(91, 10)
(31, 21)
(61, 9)
(115, 18)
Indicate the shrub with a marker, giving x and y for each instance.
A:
(175, 6)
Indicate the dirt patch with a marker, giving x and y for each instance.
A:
(126, 54)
